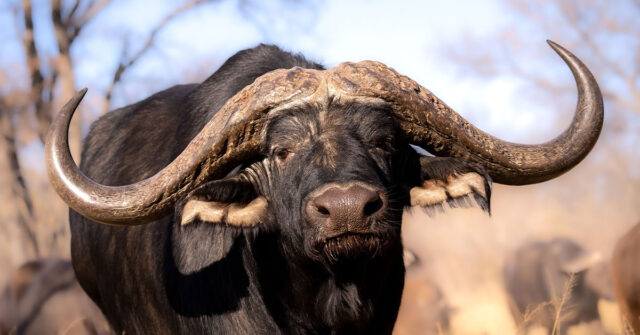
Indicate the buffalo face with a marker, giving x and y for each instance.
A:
(334, 181)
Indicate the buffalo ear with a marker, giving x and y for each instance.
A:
(232, 214)
(450, 181)
(582, 262)
(231, 202)
(209, 220)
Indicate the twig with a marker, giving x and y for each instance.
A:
(26, 214)
(77, 25)
(124, 65)
(43, 114)
(566, 295)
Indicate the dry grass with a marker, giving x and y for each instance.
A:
(560, 305)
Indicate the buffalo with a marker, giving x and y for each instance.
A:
(44, 297)
(537, 276)
(625, 268)
(269, 198)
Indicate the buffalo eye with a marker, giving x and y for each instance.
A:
(381, 144)
(282, 154)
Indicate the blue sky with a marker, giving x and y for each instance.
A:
(410, 36)
(406, 35)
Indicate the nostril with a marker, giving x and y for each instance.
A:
(345, 205)
(373, 206)
(322, 210)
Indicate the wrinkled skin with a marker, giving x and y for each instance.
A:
(353, 144)
(287, 271)
(351, 279)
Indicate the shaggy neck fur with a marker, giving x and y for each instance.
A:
(304, 296)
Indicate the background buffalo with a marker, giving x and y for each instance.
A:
(546, 280)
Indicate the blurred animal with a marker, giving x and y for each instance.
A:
(625, 264)
(44, 297)
(269, 198)
(537, 275)
(424, 308)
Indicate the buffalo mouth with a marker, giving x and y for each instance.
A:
(349, 247)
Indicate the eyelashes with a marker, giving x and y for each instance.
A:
(283, 154)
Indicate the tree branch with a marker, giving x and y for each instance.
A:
(124, 65)
(76, 26)
(64, 68)
(67, 20)
(25, 213)
(42, 110)
(626, 76)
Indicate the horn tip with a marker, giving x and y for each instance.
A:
(559, 49)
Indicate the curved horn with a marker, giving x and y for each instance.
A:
(234, 134)
(426, 121)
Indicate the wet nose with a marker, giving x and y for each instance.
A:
(349, 205)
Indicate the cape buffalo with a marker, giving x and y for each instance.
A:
(625, 267)
(43, 297)
(268, 199)
(537, 276)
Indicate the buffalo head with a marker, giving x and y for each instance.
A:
(324, 157)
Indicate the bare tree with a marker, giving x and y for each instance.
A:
(603, 33)
(588, 21)
(127, 62)
(39, 100)
(25, 214)
(42, 110)
(66, 30)
(51, 81)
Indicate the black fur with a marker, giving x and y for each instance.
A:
(283, 276)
